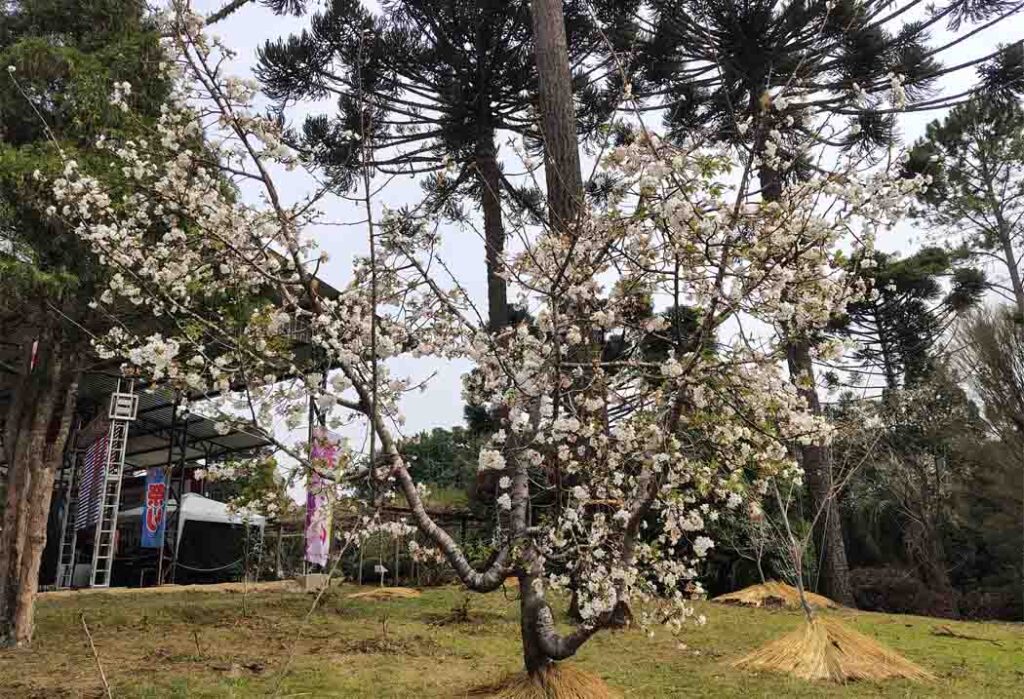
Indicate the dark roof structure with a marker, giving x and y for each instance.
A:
(150, 438)
(163, 432)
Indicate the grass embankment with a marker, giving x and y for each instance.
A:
(195, 643)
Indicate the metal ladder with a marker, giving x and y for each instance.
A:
(123, 407)
(68, 531)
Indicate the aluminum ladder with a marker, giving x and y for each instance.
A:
(68, 531)
(123, 408)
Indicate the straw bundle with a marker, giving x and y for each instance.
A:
(383, 594)
(776, 595)
(824, 649)
(557, 681)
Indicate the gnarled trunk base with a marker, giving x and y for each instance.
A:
(553, 681)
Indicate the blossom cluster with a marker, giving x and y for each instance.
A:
(649, 443)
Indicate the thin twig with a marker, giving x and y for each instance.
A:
(99, 665)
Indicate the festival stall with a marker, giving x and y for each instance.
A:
(214, 542)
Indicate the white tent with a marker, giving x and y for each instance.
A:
(201, 509)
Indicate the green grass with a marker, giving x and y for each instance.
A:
(204, 644)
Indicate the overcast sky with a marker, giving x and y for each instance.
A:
(441, 404)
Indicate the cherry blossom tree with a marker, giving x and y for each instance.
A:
(631, 467)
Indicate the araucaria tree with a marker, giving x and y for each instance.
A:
(60, 64)
(901, 325)
(431, 88)
(654, 449)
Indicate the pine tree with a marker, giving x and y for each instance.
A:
(975, 157)
(60, 61)
(433, 85)
(717, 63)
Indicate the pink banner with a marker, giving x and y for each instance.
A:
(324, 457)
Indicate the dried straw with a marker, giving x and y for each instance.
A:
(382, 594)
(775, 595)
(824, 649)
(557, 681)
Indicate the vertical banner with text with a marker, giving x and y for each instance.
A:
(324, 456)
(154, 509)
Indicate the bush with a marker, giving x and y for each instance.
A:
(1005, 604)
(900, 591)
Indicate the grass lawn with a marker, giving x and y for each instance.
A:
(195, 643)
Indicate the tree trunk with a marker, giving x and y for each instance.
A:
(562, 172)
(63, 392)
(494, 230)
(834, 572)
(922, 541)
(816, 460)
(30, 490)
(558, 114)
(25, 430)
(891, 377)
(1011, 264)
(37, 508)
(1004, 233)
(535, 660)
(10, 556)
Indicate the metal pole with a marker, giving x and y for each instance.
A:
(280, 572)
(309, 477)
(167, 486)
(69, 462)
(398, 544)
(181, 498)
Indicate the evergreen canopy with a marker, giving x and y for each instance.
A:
(911, 303)
(60, 61)
(718, 61)
(975, 157)
(438, 79)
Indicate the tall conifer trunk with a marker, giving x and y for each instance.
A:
(558, 115)
(1004, 234)
(564, 196)
(562, 172)
(489, 176)
(35, 435)
(815, 459)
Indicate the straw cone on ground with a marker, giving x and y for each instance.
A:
(774, 594)
(824, 649)
(558, 681)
